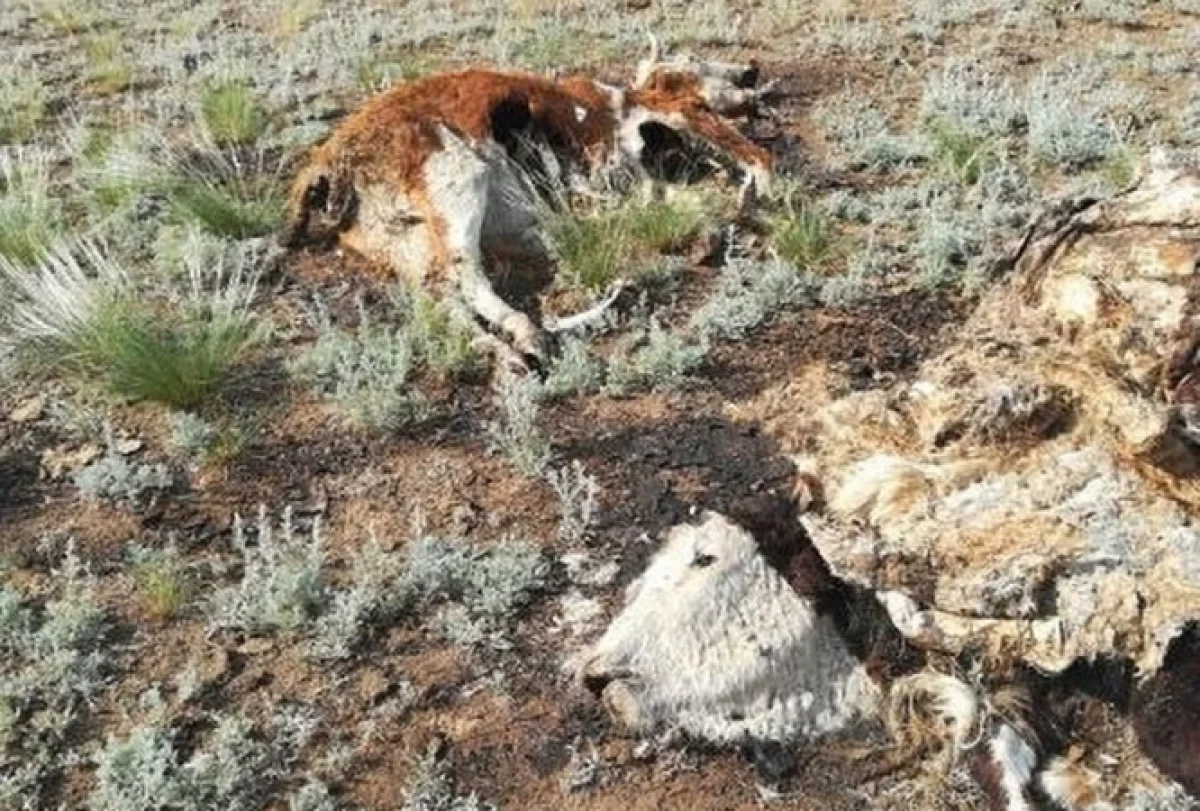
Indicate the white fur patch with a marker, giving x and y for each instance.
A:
(1016, 761)
(715, 641)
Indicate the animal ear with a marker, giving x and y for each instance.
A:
(310, 191)
(322, 203)
(316, 193)
(647, 65)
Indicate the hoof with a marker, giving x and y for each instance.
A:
(539, 352)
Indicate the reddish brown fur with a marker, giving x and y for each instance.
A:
(366, 186)
(393, 134)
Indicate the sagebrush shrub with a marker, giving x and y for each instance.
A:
(515, 433)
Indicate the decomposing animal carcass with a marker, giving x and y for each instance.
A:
(432, 175)
(1034, 491)
(1027, 504)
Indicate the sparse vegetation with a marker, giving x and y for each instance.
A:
(574, 370)
(229, 192)
(53, 662)
(515, 433)
(377, 593)
(286, 586)
(577, 505)
(441, 339)
(592, 249)
(801, 236)
(371, 373)
(959, 154)
(430, 788)
(180, 366)
(235, 211)
(23, 99)
(665, 226)
(748, 294)
(283, 583)
(108, 72)
(143, 771)
(484, 588)
(596, 247)
(863, 136)
(112, 477)
(31, 218)
(658, 359)
(176, 659)
(971, 102)
(191, 434)
(379, 73)
(293, 17)
(1065, 128)
(161, 579)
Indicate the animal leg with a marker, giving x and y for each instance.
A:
(458, 182)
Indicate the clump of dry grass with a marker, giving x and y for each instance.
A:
(108, 73)
(23, 99)
(78, 310)
(161, 580)
(31, 218)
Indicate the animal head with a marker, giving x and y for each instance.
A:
(673, 119)
(730, 89)
(322, 203)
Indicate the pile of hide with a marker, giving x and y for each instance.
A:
(1028, 500)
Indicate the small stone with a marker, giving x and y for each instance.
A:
(708, 248)
(128, 445)
(59, 461)
(256, 645)
(214, 667)
(463, 519)
(29, 410)
(317, 503)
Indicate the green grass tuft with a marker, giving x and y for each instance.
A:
(227, 210)
(801, 237)
(231, 114)
(592, 249)
(596, 247)
(108, 74)
(22, 104)
(958, 153)
(78, 310)
(662, 226)
(142, 355)
(162, 583)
